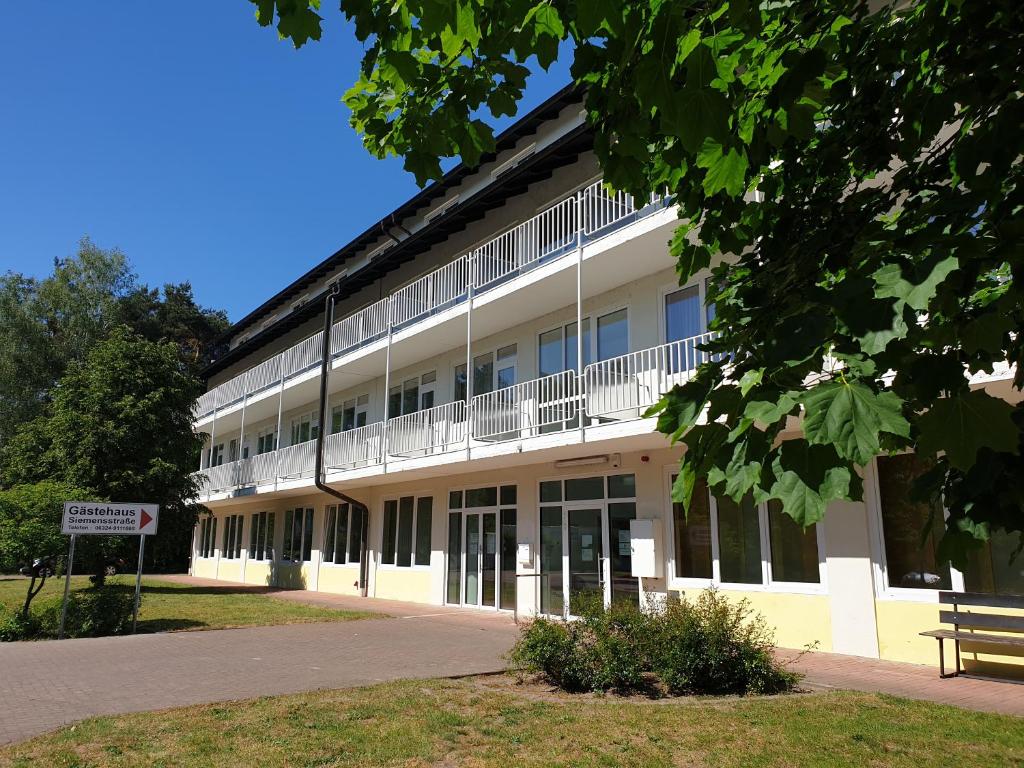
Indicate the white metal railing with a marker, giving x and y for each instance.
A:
(359, 447)
(549, 234)
(617, 388)
(441, 289)
(434, 430)
(221, 477)
(548, 404)
(601, 209)
(363, 327)
(258, 469)
(591, 213)
(304, 355)
(297, 460)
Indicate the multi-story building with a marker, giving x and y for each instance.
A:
(495, 342)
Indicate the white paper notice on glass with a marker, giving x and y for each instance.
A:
(587, 555)
(624, 545)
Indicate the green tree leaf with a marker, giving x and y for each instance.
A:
(962, 425)
(851, 417)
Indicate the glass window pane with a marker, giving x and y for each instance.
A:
(570, 345)
(271, 531)
(508, 494)
(482, 497)
(342, 537)
(739, 541)
(488, 561)
(330, 525)
(286, 550)
(387, 549)
(508, 558)
(410, 396)
(794, 548)
(394, 402)
(692, 535)
(612, 335)
(550, 348)
(455, 500)
(454, 556)
(307, 544)
(404, 531)
(551, 490)
(910, 557)
(483, 374)
(993, 568)
(424, 519)
(355, 536)
(621, 486)
(582, 488)
(551, 588)
(682, 314)
(506, 377)
(426, 400)
(460, 383)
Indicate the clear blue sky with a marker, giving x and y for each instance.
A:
(203, 147)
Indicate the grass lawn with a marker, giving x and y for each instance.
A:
(168, 606)
(490, 722)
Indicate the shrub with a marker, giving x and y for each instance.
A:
(707, 646)
(14, 626)
(91, 613)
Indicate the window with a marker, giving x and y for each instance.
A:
(612, 335)
(305, 428)
(233, 449)
(208, 537)
(412, 395)
(232, 537)
(491, 371)
(406, 537)
(682, 314)
(266, 441)
(350, 415)
(557, 349)
(217, 455)
(725, 542)
(261, 535)
(911, 530)
(336, 534)
(298, 535)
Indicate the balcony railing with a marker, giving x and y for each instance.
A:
(618, 389)
(589, 215)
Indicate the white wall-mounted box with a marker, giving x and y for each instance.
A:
(524, 553)
(645, 548)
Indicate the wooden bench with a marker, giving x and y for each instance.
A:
(963, 622)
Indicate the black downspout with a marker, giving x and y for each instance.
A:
(325, 368)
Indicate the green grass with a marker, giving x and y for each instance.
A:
(468, 723)
(169, 606)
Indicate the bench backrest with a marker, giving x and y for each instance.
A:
(974, 620)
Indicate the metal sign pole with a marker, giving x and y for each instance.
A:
(67, 587)
(138, 582)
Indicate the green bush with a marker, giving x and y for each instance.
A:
(14, 626)
(97, 612)
(707, 646)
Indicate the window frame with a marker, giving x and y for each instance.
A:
(397, 498)
(350, 512)
(314, 425)
(286, 545)
(492, 352)
(360, 405)
(422, 388)
(768, 583)
(667, 289)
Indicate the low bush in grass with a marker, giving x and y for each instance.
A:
(15, 626)
(708, 646)
(96, 612)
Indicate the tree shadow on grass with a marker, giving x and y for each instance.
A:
(151, 589)
(150, 626)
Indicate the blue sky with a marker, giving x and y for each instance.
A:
(202, 146)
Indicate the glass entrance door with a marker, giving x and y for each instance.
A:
(481, 569)
(586, 576)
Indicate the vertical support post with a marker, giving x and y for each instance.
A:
(277, 434)
(241, 438)
(213, 435)
(470, 267)
(387, 387)
(580, 394)
(67, 587)
(138, 583)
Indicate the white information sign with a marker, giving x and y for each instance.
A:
(109, 519)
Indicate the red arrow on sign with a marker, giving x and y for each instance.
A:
(144, 519)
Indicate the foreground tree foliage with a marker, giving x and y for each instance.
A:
(859, 167)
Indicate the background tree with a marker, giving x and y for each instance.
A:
(875, 268)
(120, 427)
(30, 518)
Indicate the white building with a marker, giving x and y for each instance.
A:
(517, 486)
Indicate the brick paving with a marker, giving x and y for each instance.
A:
(44, 685)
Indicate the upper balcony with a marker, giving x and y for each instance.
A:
(530, 415)
(574, 223)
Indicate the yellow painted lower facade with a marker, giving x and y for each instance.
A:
(849, 610)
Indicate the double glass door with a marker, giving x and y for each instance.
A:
(481, 569)
(585, 556)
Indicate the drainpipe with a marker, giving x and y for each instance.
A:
(325, 368)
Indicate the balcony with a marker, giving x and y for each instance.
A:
(556, 232)
(615, 390)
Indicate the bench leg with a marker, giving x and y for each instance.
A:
(957, 645)
(942, 659)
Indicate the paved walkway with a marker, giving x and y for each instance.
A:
(44, 685)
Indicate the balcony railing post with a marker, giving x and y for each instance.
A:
(579, 312)
(277, 434)
(471, 267)
(387, 385)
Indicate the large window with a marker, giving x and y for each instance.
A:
(686, 315)
(266, 441)
(911, 531)
(612, 335)
(298, 535)
(261, 536)
(208, 537)
(481, 567)
(232, 545)
(350, 414)
(412, 395)
(342, 534)
(406, 534)
(725, 542)
(491, 371)
(557, 348)
(305, 428)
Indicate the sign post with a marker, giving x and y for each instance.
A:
(100, 518)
